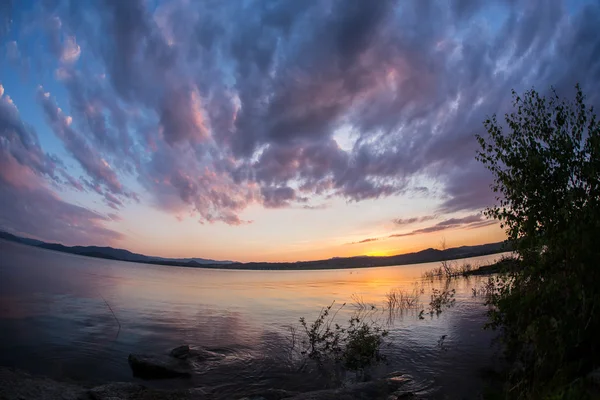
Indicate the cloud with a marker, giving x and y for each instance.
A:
(182, 117)
(213, 107)
(368, 240)
(413, 220)
(27, 204)
(20, 141)
(32, 209)
(70, 51)
(472, 221)
(468, 188)
(90, 160)
(277, 197)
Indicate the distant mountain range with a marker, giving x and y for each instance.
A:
(423, 256)
(106, 252)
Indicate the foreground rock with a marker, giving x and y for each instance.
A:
(389, 389)
(17, 385)
(158, 367)
(178, 364)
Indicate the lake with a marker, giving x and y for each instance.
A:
(56, 319)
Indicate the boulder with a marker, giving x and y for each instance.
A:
(180, 352)
(158, 367)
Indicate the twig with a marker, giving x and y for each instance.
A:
(113, 313)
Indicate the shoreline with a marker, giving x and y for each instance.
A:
(18, 385)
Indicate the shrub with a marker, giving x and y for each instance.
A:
(354, 347)
(546, 171)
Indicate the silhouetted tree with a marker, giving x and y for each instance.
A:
(547, 176)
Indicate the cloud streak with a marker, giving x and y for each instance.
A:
(413, 220)
(469, 222)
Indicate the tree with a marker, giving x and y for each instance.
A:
(546, 169)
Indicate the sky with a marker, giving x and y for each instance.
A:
(269, 130)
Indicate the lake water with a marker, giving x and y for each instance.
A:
(56, 320)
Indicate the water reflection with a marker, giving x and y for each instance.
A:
(56, 319)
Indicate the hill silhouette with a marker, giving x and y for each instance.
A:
(423, 256)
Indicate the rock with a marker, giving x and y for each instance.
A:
(385, 389)
(158, 367)
(271, 394)
(180, 352)
(17, 385)
(132, 391)
(118, 390)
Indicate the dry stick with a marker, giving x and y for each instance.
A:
(113, 313)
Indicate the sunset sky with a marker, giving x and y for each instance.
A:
(268, 130)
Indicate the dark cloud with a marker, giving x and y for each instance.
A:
(214, 106)
(277, 197)
(468, 188)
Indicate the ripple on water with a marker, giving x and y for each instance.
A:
(79, 318)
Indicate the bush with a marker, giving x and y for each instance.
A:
(354, 347)
(547, 179)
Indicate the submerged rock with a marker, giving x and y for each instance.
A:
(158, 367)
(180, 352)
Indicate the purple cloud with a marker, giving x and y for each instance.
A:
(90, 160)
(278, 197)
(27, 205)
(213, 107)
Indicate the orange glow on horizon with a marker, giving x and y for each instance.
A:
(249, 249)
(379, 253)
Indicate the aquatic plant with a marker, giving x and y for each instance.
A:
(448, 269)
(354, 346)
(398, 299)
(360, 304)
(486, 290)
(440, 300)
